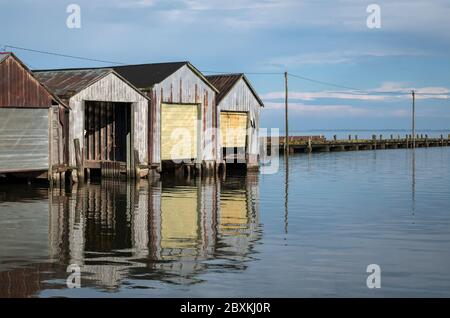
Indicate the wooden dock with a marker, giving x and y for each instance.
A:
(307, 144)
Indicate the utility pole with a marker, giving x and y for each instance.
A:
(286, 140)
(413, 119)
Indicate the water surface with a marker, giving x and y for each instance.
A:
(309, 230)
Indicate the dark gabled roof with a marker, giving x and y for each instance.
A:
(66, 83)
(225, 82)
(147, 75)
(5, 55)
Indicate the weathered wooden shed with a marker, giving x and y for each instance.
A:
(239, 106)
(33, 124)
(109, 119)
(181, 97)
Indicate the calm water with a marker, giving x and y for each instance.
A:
(309, 230)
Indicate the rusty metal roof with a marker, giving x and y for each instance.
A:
(66, 83)
(225, 82)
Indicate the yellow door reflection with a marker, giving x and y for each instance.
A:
(179, 219)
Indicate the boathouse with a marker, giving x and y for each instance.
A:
(239, 106)
(108, 125)
(33, 124)
(182, 100)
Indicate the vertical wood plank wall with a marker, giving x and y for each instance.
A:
(184, 86)
(111, 88)
(241, 99)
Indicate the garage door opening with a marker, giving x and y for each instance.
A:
(233, 136)
(107, 132)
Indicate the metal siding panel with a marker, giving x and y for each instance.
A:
(23, 139)
(18, 88)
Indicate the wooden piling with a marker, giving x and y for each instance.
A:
(78, 160)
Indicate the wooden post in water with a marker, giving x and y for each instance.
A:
(78, 160)
(413, 119)
(286, 140)
(309, 149)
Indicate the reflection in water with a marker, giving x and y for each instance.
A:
(203, 238)
(125, 233)
(413, 182)
(286, 193)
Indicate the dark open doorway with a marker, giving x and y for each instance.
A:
(108, 129)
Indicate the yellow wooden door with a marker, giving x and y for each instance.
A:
(233, 129)
(179, 131)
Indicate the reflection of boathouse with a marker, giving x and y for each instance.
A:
(162, 231)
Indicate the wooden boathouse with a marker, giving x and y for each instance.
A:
(33, 124)
(239, 106)
(108, 131)
(181, 98)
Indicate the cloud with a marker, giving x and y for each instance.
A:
(136, 3)
(339, 57)
(334, 110)
(388, 91)
(310, 96)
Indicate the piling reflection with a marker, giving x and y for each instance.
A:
(121, 233)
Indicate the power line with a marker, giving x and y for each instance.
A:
(247, 73)
(362, 92)
(324, 83)
(352, 90)
(62, 55)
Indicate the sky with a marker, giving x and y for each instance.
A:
(325, 40)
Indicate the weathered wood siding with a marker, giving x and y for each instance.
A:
(111, 88)
(184, 86)
(241, 99)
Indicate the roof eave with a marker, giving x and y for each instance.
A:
(203, 77)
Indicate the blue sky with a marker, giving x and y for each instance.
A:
(322, 39)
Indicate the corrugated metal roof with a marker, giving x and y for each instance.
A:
(225, 82)
(66, 83)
